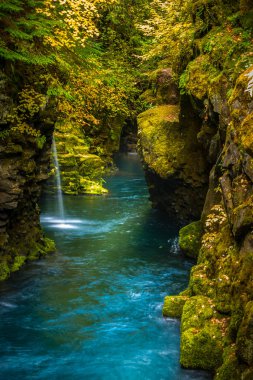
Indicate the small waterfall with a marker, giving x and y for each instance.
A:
(58, 182)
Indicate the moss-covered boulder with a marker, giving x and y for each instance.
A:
(190, 239)
(173, 306)
(202, 332)
(158, 127)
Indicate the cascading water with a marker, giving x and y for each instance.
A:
(58, 183)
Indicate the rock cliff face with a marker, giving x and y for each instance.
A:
(174, 160)
(216, 309)
(24, 166)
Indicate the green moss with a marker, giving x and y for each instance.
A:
(173, 306)
(81, 171)
(200, 349)
(230, 368)
(92, 187)
(200, 283)
(4, 271)
(196, 311)
(148, 97)
(245, 335)
(246, 134)
(49, 245)
(160, 140)
(198, 75)
(39, 250)
(202, 331)
(190, 239)
(18, 263)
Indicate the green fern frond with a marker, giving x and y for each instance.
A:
(11, 6)
(11, 55)
(19, 34)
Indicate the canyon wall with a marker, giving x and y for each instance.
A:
(25, 160)
(198, 124)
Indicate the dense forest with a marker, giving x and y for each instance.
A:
(179, 74)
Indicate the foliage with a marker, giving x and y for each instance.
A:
(250, 84)
(184, 30)
(78, 53)
(172, 32)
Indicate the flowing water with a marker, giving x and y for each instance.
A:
(93, 310)
(58, 182)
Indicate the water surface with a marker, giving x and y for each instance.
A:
(93, 310)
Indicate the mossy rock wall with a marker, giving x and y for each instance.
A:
(81, 172)
(175, 166)
(85, 159)
(222, 277)
(211, 60)
(24, 167)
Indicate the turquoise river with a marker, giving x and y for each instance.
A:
(93, 310)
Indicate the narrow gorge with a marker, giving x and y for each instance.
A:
(174, 81)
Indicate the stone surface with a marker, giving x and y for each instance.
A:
(217, 317)
(24, 166)
(173, 160)
(190, 239)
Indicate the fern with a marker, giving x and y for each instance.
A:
(11, 55)
(11, 6)
(19, 34)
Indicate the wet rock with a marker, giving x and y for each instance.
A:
(190, 239)
(166, 88)
(223, 273)
(248, 166)
(245, 336)
(202, 329)
(173, 306)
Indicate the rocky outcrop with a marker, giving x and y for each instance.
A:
(24, 166)
(81, 171)
(209, 46)
(174, 160)
(221, 284)
(86, 157)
